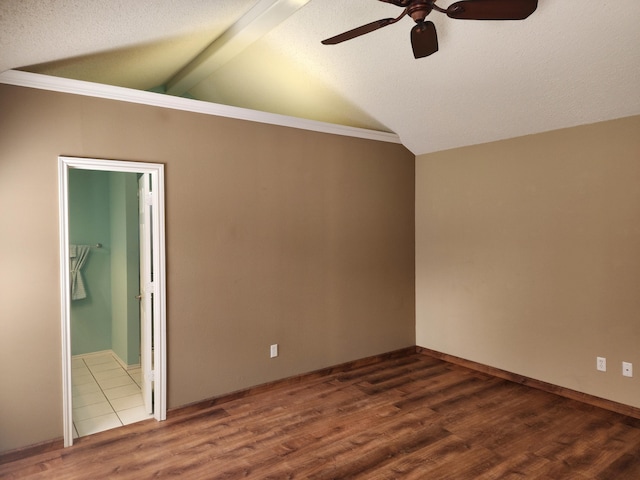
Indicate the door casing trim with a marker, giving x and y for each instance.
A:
(156, 171)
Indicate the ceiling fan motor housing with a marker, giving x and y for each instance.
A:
(419, 10)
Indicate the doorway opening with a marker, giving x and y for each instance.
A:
(132, 334)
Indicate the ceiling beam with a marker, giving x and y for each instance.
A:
(262, 18)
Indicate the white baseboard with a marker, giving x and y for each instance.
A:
(93, 354)
(122, 363)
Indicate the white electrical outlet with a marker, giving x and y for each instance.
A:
(601, 364)
(274, 350)
(627, 369)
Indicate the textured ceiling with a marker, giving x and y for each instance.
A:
(572, 62)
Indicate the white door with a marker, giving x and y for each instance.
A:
(146, 290)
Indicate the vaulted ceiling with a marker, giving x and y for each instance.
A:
(572, 62)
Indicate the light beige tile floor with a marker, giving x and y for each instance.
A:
(105, 395)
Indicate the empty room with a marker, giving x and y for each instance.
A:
(320, 239)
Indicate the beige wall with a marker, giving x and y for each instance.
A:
(528, 255)
(274, 235)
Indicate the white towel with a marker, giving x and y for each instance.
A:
(78, 256)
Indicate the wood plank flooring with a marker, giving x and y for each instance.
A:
(409, 417)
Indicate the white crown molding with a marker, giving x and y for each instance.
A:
(90, 89)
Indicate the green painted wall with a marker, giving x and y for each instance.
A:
(89, 224)
(103, 208)
(125, 251)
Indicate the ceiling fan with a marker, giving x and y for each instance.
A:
(423, 35)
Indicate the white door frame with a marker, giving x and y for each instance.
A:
(145, 221)
(159, 298)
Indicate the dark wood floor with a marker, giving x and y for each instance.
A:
(411, 417)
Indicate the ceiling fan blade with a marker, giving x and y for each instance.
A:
(424, 39)
(398, 3)
(492, 9)
(356, 32)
